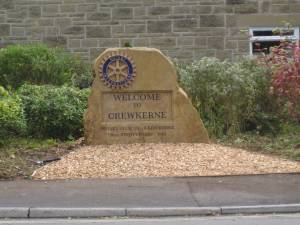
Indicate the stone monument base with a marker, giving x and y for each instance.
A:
(135, 98)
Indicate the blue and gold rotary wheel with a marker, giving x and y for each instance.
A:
(117, 71)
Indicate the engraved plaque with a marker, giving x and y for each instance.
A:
(137, 106)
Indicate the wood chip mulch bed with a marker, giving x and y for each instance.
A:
(151, 160)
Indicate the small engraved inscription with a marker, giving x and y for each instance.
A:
(138, 131)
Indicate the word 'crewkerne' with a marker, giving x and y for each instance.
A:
(137, 115)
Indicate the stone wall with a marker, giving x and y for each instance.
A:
(185, 29)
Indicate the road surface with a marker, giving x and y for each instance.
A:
(228, 220)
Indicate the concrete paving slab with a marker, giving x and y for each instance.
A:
(108, 193)
(187, 211)
(75, 212)
(259, 209)
(246, 190)
(14, 212)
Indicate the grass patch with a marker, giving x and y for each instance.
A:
(18, 156)
(285, 144)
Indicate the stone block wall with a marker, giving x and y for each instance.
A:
(185, 29)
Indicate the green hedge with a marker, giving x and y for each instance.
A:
(12, 120)
(55, 112)
(231, 96)
(38, 64)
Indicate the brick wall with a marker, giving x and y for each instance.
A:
(185, 29)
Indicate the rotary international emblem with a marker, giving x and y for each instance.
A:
(117, 71)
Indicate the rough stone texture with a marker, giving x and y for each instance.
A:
(156, 75)
(4, 29)
(98, 32)
(159, 26)
(140, 21)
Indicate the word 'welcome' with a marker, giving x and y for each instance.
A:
(137, 97)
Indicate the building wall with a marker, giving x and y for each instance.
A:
(185, 29)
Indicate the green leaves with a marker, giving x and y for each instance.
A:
(55, 112)
(38, 64)
(229, 95)
(12, 120)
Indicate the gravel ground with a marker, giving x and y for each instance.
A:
(148, 160)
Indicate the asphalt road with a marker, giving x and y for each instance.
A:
(236, 220)
(153, 192)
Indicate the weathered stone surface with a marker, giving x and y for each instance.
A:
(4, 29)
(98, 32)
(99, 16)
(63, 22)
(18, 31)
(216, 42)
(235, 2)
(200, 42)
(50, 9)
(89, 43)
(46, 22)
(163, 42)
(35, 11)
(186, 41)
(247, 8)
(2, 19)
(6, 4)
(55, 41)
(122, 13)
(202, 9)
(159, 26)
(159, 10)
(138, 28)
(67, 8)
(212, 21)
(182, 9)
(185, 24)
(141, 42)
(74, 30)
(139, 22)
(280, 8)
(153, 108)
(73, 43)
(108, 42)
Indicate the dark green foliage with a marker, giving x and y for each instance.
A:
(285, 144)
(55, 112)
(127, 44)
(231, 97)
(38, 64)
(12, 120)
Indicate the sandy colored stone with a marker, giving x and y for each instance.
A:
(157, 160)
(167, 113)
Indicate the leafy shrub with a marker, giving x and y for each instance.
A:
(12, 120)
(38, 64)
(284, 62)
(55, 112)
(230, 97)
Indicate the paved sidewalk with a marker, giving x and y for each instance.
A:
(190, 193)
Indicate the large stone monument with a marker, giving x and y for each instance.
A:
(135, 98)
